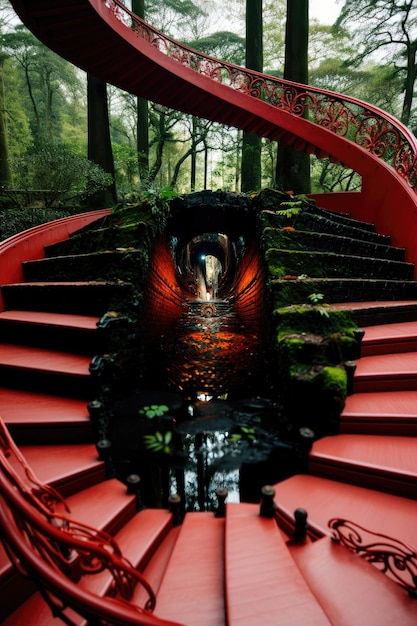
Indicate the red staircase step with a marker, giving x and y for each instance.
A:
(105, 506)
(325, 499)
(67, 468)
(37, 359)
(191, 590)
(382, 462)
(387, 338)
(43, 318)
(380, 311)
(155, 569)
(386, 372)
(36, 417)
(350, 590)
(381, 412)
(263, 584)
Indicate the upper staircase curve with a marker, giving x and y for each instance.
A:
(125, 51)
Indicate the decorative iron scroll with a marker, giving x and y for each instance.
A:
(71, 548)
(392, 557)
(367, 126)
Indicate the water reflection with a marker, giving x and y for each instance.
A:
(211, 352)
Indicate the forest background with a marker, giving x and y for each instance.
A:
(45, 156)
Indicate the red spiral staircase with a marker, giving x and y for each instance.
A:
(243, 568)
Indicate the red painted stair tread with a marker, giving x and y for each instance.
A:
(67, 468)
(350, 590)
(191, 590)
(395, 407)
(388, 404)
(389, 333)
(386, 364)
(384, 462)
(156, 567)
(15, 356)
(263, 584)
(379, 452)
(26, 407)
(325, 499)
(375, 304)
(51, 319)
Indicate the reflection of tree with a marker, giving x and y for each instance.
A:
(198, 481)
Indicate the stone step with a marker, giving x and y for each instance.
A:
(93, 240)
(340, 218)
(91, 298)
(326, 222)
(94, 266)
(342, 290)
(325, 242)
(334, 265)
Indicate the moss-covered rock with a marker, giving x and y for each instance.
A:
(312, 344)
(320, 320)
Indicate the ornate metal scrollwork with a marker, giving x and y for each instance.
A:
(391, 556)
(377, 132)
(70, 547)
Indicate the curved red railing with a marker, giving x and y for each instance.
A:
(104, 38)
(366, 125)
(30, 244)
(44, 542)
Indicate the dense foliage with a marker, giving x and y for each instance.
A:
(370, 53)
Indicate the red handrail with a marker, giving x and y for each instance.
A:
(56, 551)
(368, 126)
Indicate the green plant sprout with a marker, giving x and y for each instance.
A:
(159, 442)
(153, 410)
(246, 434)
(316, 299)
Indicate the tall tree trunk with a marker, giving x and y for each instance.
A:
(293, 166)
(142, 123)
(193, 156)
(251, 147)
(409, 83)
(99, 142)
(5, 171)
